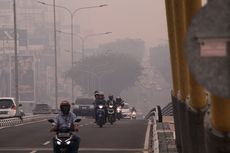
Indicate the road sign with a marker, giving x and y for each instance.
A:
(208, 47)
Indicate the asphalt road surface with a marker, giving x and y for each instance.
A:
(125, 136)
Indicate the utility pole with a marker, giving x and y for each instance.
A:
(16, 57)
(55, 56)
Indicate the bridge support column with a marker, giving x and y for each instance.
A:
(176, 114)
(184, 127)
(217, 126)
(196, 107)
(196, 130)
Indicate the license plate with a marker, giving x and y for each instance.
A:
(83, 107)
(3, 112)
(63, 134)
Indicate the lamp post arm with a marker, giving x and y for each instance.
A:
(89, 7)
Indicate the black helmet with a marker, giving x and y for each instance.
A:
(110, 97)
(65, 107)
(101, 95)
(95, 92)
(118, 98)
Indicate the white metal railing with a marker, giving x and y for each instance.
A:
(7, 122)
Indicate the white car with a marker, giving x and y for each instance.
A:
(7, 107)
(126, 112)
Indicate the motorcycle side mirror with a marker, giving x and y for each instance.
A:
(78, 120)
(51, 120)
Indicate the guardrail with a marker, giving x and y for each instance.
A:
(162, 135)
(17, 120)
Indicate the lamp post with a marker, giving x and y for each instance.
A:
(15, 57)
(72, 13)
(83, 39)
(55, 56)
(55, 51)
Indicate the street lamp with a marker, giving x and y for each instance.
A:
(16, 57)
(83, 39)
(72, 13)
(55, 50)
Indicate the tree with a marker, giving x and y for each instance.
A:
(160, 58)
(111, 73)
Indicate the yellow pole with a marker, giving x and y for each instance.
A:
(220, 113)
(197, 93)
(172, 45)
(180, 13)
(191, 6)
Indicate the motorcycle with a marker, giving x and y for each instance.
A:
(119, 113)
(111, 114)
(133, 115)
(63, 138)
(100, 112)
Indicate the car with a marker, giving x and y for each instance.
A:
(84, 107)
(8, 107)
(126, 111)
(42, 109)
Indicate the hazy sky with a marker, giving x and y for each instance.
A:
(143, 19)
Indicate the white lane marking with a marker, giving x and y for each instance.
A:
(81, 149)
(110, 149)
(146, 144)
(19, 125)
(46, 143)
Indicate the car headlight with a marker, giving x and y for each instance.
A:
(68, 142)
(59, 142)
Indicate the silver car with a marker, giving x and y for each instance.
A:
(7, 107)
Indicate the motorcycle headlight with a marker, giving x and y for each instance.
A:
(110, 106)
(58, 142)
(134, 113)
(100, 106)
(118, 109)
(68, 142)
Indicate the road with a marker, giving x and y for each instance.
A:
(125, 136)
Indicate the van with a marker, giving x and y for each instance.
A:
(7, 107)
(84, 107)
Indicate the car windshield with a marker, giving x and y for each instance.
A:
(84, 101)
(126, 107)
(6, 103)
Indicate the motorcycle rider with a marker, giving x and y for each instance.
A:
(66, 119)
(111, 100)
(96, 95)
(99, 100)
(119, 102)
(133, 109)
